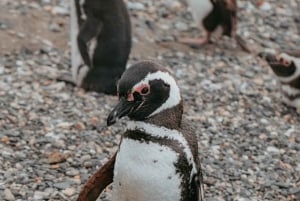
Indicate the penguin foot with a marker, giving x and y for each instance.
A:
(67, 78)
(195, 42)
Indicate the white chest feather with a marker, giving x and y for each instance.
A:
(145, 172)
(200, 9)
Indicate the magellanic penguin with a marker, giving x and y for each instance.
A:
(100, 43)
(287, 69)
(213, 14)
(157, 157)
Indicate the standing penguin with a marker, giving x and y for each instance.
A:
(100, 43)
(157, 158)
(211, 14)
(287, 69)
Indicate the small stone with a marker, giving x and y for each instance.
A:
(69, 191)
(79, 126)
(88, 164)
(180, 26)
(57, 10)
(273, 149)
(56, 157)
(265, 6)
(135, 6)
(8, 195)
(54, 27)
(39, 195)
(72, 172)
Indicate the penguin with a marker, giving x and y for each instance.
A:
(100, 43)
(157, 158)
(286, 68)
(212, 14)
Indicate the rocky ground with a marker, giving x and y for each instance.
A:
(53, 136)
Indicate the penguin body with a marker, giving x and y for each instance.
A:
(213, 15)
(287, 70)
(100, 43)
(157, 157)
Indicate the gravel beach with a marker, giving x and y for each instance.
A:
(54, 136)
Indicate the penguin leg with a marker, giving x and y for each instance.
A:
(197, 42)
(98, 181)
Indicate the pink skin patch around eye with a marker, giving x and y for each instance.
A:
(143, 89)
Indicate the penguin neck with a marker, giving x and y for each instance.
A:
(169, 118)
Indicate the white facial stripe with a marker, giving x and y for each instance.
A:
(162, 132)
(174, 95)
(297, 64)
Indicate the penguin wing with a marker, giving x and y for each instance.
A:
(98, 181)
(197, 177)
(87, 38)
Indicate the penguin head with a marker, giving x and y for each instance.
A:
(282, 65)
(145, 89)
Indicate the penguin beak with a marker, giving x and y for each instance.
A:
(123, 108)
(270, 58)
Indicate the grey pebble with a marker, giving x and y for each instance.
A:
(8, 195)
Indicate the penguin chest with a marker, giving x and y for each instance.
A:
(145, 171)
(200, 9)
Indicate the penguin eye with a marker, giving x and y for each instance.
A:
(286, 63)
(145, 90)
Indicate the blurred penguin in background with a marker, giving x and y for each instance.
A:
(211, 15)
(286, 67)
(100, 43)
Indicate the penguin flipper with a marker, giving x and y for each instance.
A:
(89, 30)
(98, 181)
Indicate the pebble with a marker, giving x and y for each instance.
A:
(39, 195)
(135, 6)
(54, 27)
(8, 195)
(273, 149)
(69, 191)
(265, 6)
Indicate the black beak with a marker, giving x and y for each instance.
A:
(122, 109)
(270, 58)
